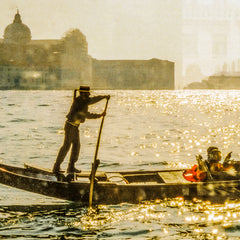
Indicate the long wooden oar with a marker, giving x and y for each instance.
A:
(96, 161)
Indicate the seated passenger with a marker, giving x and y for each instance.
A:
(212, 169)
(214, 156)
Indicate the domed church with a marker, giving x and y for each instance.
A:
(17, 32)
(65, 64)
(42, 64)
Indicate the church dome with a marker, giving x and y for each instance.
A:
(17, 32)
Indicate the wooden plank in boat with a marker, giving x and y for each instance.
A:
(37, 169)
(173, 177)
(49, 171)
(99, 174)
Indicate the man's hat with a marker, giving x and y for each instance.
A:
(84, 89)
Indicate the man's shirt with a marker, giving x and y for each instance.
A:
(79, 109)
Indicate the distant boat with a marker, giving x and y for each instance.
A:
(117, 187)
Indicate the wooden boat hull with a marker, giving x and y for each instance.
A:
(151, 188)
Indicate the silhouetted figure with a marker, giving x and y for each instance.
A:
(77, 114)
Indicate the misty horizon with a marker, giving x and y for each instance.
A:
(201, 37)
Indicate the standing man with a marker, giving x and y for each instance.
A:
(77, 114)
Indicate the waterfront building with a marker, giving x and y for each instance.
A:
(65, 64)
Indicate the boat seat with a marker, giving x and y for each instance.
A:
(173, 177)
(116, 178)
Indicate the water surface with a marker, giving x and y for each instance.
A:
(143, 130)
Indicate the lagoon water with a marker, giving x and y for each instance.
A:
(143, 130)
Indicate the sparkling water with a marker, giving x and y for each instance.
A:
(143, 130)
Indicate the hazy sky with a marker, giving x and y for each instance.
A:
(115, 29)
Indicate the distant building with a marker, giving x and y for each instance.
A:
(218, 81)
(134, 74)
(65, 64)
(211, 34)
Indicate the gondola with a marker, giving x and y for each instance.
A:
(116, 187)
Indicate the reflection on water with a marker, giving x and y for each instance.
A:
(143, 130)
(163, 219)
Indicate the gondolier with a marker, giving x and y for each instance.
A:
(77, 114)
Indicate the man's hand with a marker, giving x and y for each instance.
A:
(227, 158)
(107, 97)
(226, 162)
(104, 114)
